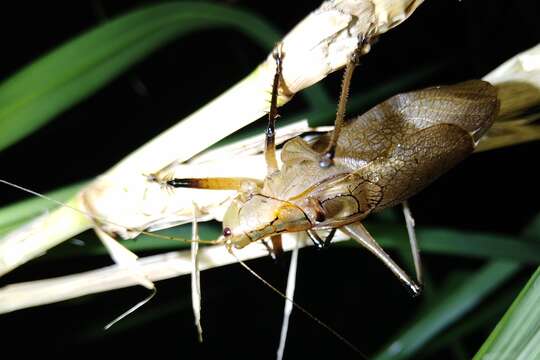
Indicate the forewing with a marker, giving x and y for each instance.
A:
(471, 105)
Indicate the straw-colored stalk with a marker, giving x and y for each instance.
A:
(518, 82)
(157, 267)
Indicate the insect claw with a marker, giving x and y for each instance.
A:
(318, 242)
(415, 289)
(329, 238)
(277, 54)
(315, 239)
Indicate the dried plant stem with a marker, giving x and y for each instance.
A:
(154, 268)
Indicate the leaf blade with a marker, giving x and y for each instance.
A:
(449, 310)
(516, 336)
(73, 71)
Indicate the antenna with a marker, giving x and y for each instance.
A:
(299, 307)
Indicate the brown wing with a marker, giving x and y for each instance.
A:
(418, 160)
(400, 145)
(406, 142)
(471, 105)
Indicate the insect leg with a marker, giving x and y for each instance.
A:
(270, 142)
(317, 241)
(289, 293)
(211, 183)
(320, 243)
(409, 220)
(364, 44)
(359, 233)
(328, 155)
(268, 248)
(277, 247)
(329, 238)
(196, 274)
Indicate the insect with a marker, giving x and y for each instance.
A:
(260, 189)
(366, 164)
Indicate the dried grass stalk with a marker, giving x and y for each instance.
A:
(518, 82)
(154, 268)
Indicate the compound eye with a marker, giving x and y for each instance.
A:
(227, 231)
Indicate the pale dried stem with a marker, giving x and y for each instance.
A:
(518, 82)
(154, 268)
(196, 274)
(289, 293)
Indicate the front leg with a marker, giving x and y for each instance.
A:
(196, 274)
(320, 243)
(216, 183)
(270, 138)
(276, 250)
(327, 157)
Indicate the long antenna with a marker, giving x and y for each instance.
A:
(299, 307)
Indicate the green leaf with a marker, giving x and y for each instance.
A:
(77, 69)
(486, 315)
(473, 244)
(532, 230)
(517, 336)
(448, 310)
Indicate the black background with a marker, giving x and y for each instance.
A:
(348, 289)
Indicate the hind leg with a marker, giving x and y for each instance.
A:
(327, 156)
(196, 274)
(359, 233)
(412, 240)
